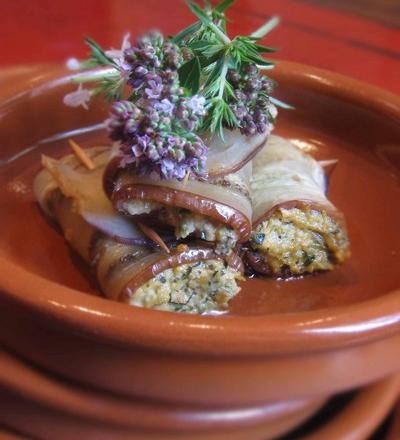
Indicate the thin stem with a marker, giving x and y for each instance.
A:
(280, 103)
(266, 28)
(266, 67)
(95, 75)
(225, 39)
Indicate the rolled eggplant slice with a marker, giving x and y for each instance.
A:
(189, 279)
(217, 210)
(296, 229)
(231, 154)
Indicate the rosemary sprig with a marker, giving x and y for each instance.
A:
(210, 57)
(201, 80)
(98, 56)
(215, 53)
(110, 83)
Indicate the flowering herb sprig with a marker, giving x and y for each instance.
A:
(158, 138)
(110, 81)
(218, 67)
(167, 91)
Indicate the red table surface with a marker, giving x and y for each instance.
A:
(48, 30)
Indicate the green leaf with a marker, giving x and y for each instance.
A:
(88, 64)
(236, 58)
(207, 22)
(247, 45)
(213, 50)
(189, 75)
(250, 56)
(186, 32)
(265, 49)
(230, 118)
(200, 45)
(211, 90)
(216, 72)
(265, 28)
(223, 5)
(98, 53)
(206, 61)
(205, 48)
(229, 90)
(219, 116)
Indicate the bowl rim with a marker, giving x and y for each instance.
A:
(300, 332)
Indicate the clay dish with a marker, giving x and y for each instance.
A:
(361, 417)
(282, 340)
(394, 430)
(41, 405)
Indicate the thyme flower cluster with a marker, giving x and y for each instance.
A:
(199, 80)
(251, 105)
(155, 138)
(153, 65)
(156, 131)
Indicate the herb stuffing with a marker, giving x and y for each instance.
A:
(167, 94)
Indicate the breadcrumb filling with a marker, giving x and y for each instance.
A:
(300, 240)
(188, 223)
(138, 207)
(206, 229)
(200, 287)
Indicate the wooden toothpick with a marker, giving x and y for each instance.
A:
(152, 234)
(81, 155)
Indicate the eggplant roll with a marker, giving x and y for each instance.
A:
(296, 229)
(191, 278)
(216, 210)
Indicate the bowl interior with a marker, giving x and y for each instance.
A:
(327, 123)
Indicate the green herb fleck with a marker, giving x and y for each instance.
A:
(308, 258)
(259, 238)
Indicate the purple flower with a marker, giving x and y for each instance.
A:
(167, 167)
(273, 111)
(137, 150)
(73, 64)
(124, 119)
(126, 161)
(196, 104)
(171, 140)
(165, 106)
(79, 97)
(144, 141)
(251, 104)
(153, 58)
(156, 126)
(118, 54)
(154, 89)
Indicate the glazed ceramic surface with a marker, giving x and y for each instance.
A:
(282, 340)
(362, 415)
(43, 406)
(40, 405)
(394, 430)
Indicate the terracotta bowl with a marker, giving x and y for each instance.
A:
(394, 430)
(282, 340)
(361, 417)
(43, 406)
